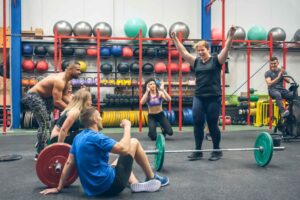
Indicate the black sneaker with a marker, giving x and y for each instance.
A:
(195, 156)
(216, 155)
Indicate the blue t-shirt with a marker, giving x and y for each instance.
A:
(91, 152)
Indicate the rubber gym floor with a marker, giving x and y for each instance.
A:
(235, 176)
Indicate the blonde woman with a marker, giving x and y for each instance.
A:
(68, 125)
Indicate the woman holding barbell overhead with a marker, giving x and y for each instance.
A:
(154, 98)
(68, 125)
(207, 99)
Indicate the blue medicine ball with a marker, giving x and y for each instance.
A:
(116, 51)
(105, 52)
(27, 50)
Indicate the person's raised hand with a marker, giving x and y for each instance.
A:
(124, 123)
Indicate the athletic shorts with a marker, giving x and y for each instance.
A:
(123, 172)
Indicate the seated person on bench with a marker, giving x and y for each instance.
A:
(274, 81)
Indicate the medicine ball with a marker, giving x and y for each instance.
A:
(116, 51)
(127, 52)
(91, 51)
(50, 50)
(162, 53)
(83, 66)
(151, 52)
(123, 68)
(106, 68)
(148, 68)
(134, 68)
(28, 65)
(136, 52)
(174, 67)
(65, 64)
(160, 67)
(105, 52)
(42, 66)
(80, 52)
(40, 50)
(27, 50)
(174, 53)
(186, 67)
(67, 51)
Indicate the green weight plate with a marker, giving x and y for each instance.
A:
(159, 157)
(263, 157)
(254, 98)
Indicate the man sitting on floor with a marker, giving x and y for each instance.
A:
(90, 154)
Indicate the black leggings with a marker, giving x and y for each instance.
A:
(160, 118)
(209, 108)
(123, 172)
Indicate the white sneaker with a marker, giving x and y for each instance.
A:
(152, 185)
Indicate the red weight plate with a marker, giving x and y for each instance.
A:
(49, 158)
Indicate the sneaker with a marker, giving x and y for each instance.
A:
(162, 179)
(36, 157)
(149, 186)
(208, 137)
(195, 156)
(285, 114)
(216, 155)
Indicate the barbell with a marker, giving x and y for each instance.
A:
(263, 150)
(52, 159)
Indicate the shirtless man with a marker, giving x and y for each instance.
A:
(46, 93)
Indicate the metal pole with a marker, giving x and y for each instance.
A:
(4, 67)
(223, 67)
(270, 99)
(180, 88)
(98, 69)
(140, 78)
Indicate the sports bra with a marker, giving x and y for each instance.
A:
(154, 101)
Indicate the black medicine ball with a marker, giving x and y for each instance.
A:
(148, 68)
(40, 51)
(67, 51)
(106, 68)
(136, 52)
(134, 68)
(162, 53)
(151, 52)
(123, 68)
(80, 52)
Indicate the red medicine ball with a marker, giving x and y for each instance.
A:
(28, 65)
(91, 51)
(127, 52)
(174, 53)
(42, 66)
(186, 67)
(174, 67)
(160, 67)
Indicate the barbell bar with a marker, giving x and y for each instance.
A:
(153, 152)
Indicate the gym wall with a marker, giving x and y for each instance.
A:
(267, 13)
